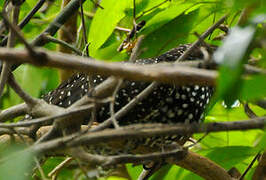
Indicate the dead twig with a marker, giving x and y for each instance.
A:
(62, 43)
(135, 51)
(10, 44)
(19, 35)
(84, 28)
(112, 104)
(48, 119)
(56, 170)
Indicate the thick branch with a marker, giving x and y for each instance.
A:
(202, 167)
(148, 130)
(13, 112)
(170, 74)
(136, 159)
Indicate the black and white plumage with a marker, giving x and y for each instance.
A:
(166, 104)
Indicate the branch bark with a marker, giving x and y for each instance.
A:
(147, 130)
(260, 172)
(179, 75)
(13, 112)
(203, 167)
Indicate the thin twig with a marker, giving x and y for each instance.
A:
(26, 19)
(261, 103)
(103, 90)
(40, 169)
(198, 141)
(134, 11)
(122, 29)
(177, 154)
(156, 6)
(10, 44)
(249, 166)
(201, 38)
(112, 103)
(83, 169)
(62, 43)
(55, 171)
(147, 130)
(4, 76)
(84, 28)
(135, 51)
(47, 119)
(125, 109)
(249, 111)
(97, 4)
(153, 85)
(90, 15)
(60, 19)
(17, 32)
(146, 173)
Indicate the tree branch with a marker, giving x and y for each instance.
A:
(260, 172)
(63, 16)
(202, 167)
(170, 74)
(13, 112)
(147, 130)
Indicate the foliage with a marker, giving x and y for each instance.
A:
(21, 163)
(167, 26)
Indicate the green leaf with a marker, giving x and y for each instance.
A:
(254, 88)
(115, 178)
(144, 5)
(104, 22)
(261, 146)
(52, 162)
(17, 164)
(174, 10)
(164, 38)
(109, 52)
(162, 173)
(33, 80)
(134, 171)
(232, 55)
(228, 157)
(30, 79)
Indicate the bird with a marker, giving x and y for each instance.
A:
(166, 104)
